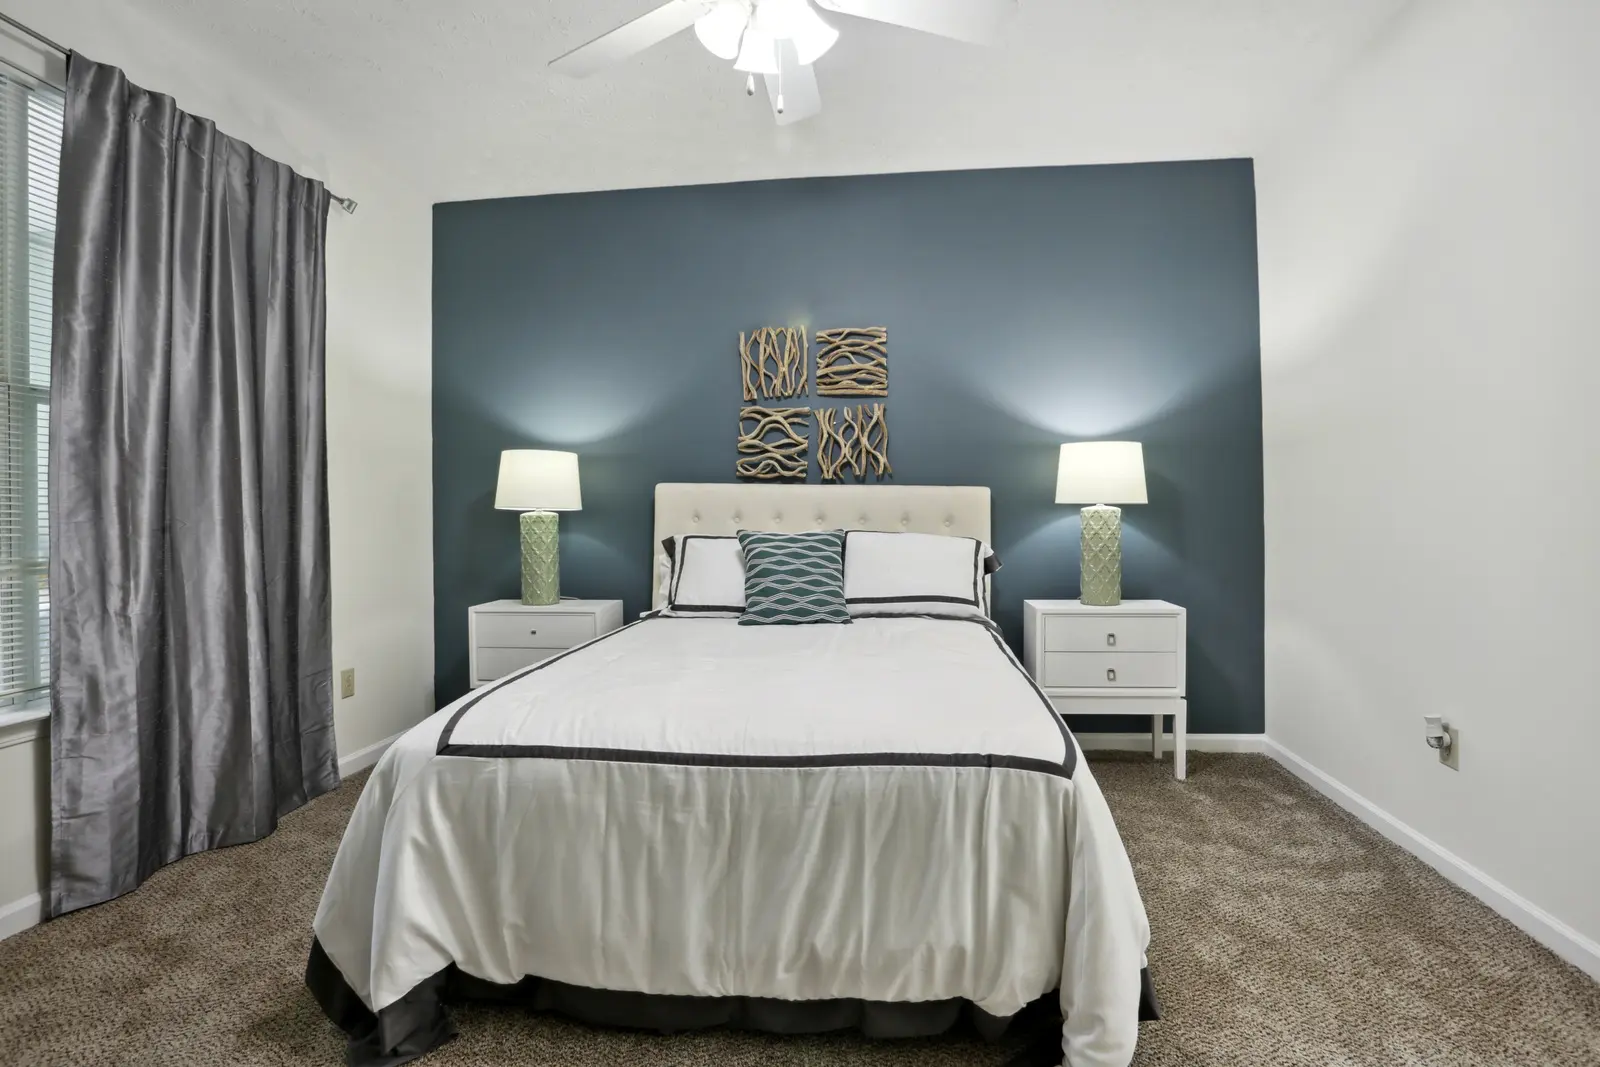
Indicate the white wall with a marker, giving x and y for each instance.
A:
(379, 408)
(1430, 293)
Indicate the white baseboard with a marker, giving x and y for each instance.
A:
(1533, 920)
(19, 915)
(362, 758)
(1137, 742)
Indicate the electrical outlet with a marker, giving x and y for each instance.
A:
(347, 683)
(1451, 757)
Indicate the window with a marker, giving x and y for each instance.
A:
(30, 159)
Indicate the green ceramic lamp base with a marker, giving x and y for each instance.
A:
(541, 557)
(1102, 556)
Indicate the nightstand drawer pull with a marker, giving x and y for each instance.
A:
(1119, 670)
(1133, 633)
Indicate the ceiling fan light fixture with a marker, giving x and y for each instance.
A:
(798, 21)
(758, 53)
(721, 28)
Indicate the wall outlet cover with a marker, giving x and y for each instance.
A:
(1451, 757)
(347, 683)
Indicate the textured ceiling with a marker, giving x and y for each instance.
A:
(456, 93)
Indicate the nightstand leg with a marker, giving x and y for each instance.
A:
(1155, 737)
(1180, 741)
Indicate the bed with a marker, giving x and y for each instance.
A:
(689, 822)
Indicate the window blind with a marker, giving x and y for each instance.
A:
(30, 158)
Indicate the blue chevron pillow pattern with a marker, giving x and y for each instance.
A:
(792, 578)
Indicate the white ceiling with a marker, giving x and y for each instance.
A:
(456, 92)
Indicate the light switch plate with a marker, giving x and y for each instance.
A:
(347, 683)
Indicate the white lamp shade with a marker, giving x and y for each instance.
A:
(797, 21)
(534, 479)
(1101, 472)
(721, 28)
(812, 37)
(758, 54)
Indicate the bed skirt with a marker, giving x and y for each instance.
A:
(419, 1021)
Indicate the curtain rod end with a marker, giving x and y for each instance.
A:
(344, 202)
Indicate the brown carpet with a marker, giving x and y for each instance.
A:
(1285, 933)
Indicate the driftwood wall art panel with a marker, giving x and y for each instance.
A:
(773, 443)
(836, 444)
(772, 362)
(853, 361)
(872, 437)
(854, 439)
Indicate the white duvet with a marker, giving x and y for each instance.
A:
(887, 810)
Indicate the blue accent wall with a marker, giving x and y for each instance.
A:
(1025, 308)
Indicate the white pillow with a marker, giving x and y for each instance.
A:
(916, 574)
(707, 577)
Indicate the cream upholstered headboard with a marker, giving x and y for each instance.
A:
(726, 508)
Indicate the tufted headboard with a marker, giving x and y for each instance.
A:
(726, 508)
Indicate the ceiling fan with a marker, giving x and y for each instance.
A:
(780, 39)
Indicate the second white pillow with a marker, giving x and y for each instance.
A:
(916, 574)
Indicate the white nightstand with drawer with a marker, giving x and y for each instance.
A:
(1122, 660)
(507, 635)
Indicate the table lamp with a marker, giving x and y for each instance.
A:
(539, 483)
(1100, 474)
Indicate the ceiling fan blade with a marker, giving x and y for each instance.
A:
(797, 84)
(973, 21)
(631, 38)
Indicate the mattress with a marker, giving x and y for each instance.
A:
(887, 811)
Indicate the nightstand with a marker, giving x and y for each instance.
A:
(507, 635)
(1122, 660)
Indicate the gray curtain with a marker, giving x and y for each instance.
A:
(189, 629)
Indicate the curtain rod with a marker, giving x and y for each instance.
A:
(344, 202)
(35, 34)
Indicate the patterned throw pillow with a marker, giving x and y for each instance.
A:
(793, 578)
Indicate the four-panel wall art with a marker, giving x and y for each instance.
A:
(851, 439)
